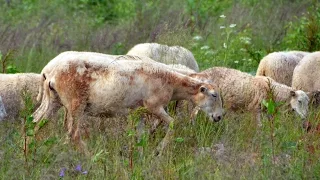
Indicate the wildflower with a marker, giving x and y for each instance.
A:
(225, 45)
(236, 62)
(245, 40)
(222, 27)
(222, 16)
(78, 168)
(197, 38)
(210, 52)
(243, 50)
(204, 47)
(61, 174)
(233, 25)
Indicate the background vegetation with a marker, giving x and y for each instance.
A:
(228, 33)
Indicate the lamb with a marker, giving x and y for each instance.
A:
(306, 75)
(242, 91)
(11, 89)
(280, 65)
(93, 86)
(166, 54)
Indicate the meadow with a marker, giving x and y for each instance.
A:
(234, 34)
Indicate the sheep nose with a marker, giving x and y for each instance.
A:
(217, 118)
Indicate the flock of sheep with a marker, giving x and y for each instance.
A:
(152, 75)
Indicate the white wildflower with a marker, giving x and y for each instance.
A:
(233, 25)
(210, 52)
(236, 62)
(222, 16)
(197, 38)
(204, 47)
(222, 27)
(243, 49)
(245, 40)
(225, 45)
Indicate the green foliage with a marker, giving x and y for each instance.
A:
(6, 63)
(106, 10)
(304, 34)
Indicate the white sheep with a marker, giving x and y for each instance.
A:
(242, 91)
(11, 88)
(166, 54)
(280, 65)
(306, 74)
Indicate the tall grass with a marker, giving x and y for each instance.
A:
(232, 148)
(36, 31)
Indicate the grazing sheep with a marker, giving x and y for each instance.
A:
(243, 91)
(95, 86)
(11, 88)
(306, 74)
(55, 62)
(166, 54)
(280, 65)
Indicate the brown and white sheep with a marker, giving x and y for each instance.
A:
(166, 54)
(280, 65)
(11, 88)
(87, 86)
(55, 62)
(242, 91)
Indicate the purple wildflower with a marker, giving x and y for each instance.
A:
(78, 168)
(61, 174)
(85, 172)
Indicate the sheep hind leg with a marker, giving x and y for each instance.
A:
(258, 118)
(75, 123)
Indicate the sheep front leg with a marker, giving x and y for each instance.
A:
(161, 113)
(194, 114)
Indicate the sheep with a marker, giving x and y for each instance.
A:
(166, 54)
(45, 73)
(11, 88)
(96, 85)
(306, 76)
(280, 65)
(74, 54)
(242, 91)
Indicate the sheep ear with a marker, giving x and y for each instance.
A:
(203, 89)
(293, 93)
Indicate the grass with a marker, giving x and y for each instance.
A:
(233, 148)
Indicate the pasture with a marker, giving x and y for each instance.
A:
(231, 34)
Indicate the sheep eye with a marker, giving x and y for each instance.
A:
(214, 95)
(300, 102)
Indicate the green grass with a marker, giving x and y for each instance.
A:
(36, 31)
(117, 155)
